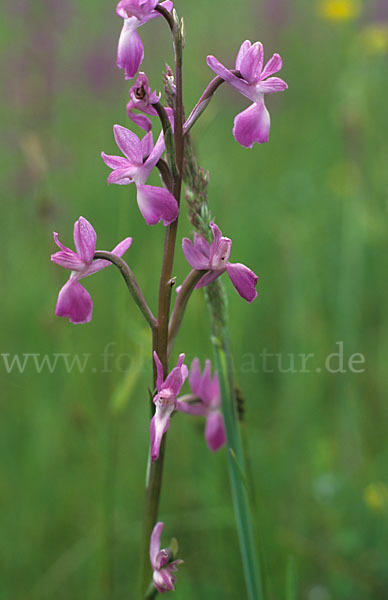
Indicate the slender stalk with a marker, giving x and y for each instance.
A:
(204, 100)
(151, 592)
(160, 340)
(165, 174)
(180, 305)
(131, 284)
(168, 137)
(166, 15)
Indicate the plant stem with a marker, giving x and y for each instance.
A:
(160, 340)
(164, 12)
(168, 137)
(204, 100)
(180, 305)
(132, 285)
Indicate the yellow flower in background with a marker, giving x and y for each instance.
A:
(339, 10)
(374, 38)
(376, 496)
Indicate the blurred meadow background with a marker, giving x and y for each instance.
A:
(307, 212)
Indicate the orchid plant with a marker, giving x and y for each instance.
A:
(212, 397)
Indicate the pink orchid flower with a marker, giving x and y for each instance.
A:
(165, 401)
(155, 203)
(142, 98)
(130, 52)
(207, 389)
(214, 258)
(74, 301)
(163, 570)
(252, 125)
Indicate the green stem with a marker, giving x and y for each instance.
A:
(204, 100)
(131, 284)
(168, 137)
(160, 340)
(180, 305)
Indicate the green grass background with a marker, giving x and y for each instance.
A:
(307, 212)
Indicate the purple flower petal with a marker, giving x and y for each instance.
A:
(274, 65)
(147, 145)
(160, 423)
(252, 125)
(156, 204)
(194, 256)
(59, 244)
(122, 247)
(67, 258)
(215, 431)
(195, 377)
(242, 86)
(129, 144)
(127, 9)
(209, 278)
(100, 263)
(114, 162)
(217, 233)
(241, 53)
(192, 408)
(74, 302)
(85, 239)
(272, 85)
(161, 559)
(214, 392)
(202, 245)
(130, 52)
(176, 378)
(252, 63)
(155, 542)
(221, 252)
(244, 280)
(140, 120)
(122, 176)
(163, 581)
(148, 5)
(159, 372)
(154, 155)
(154, 14)
(206, 384)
